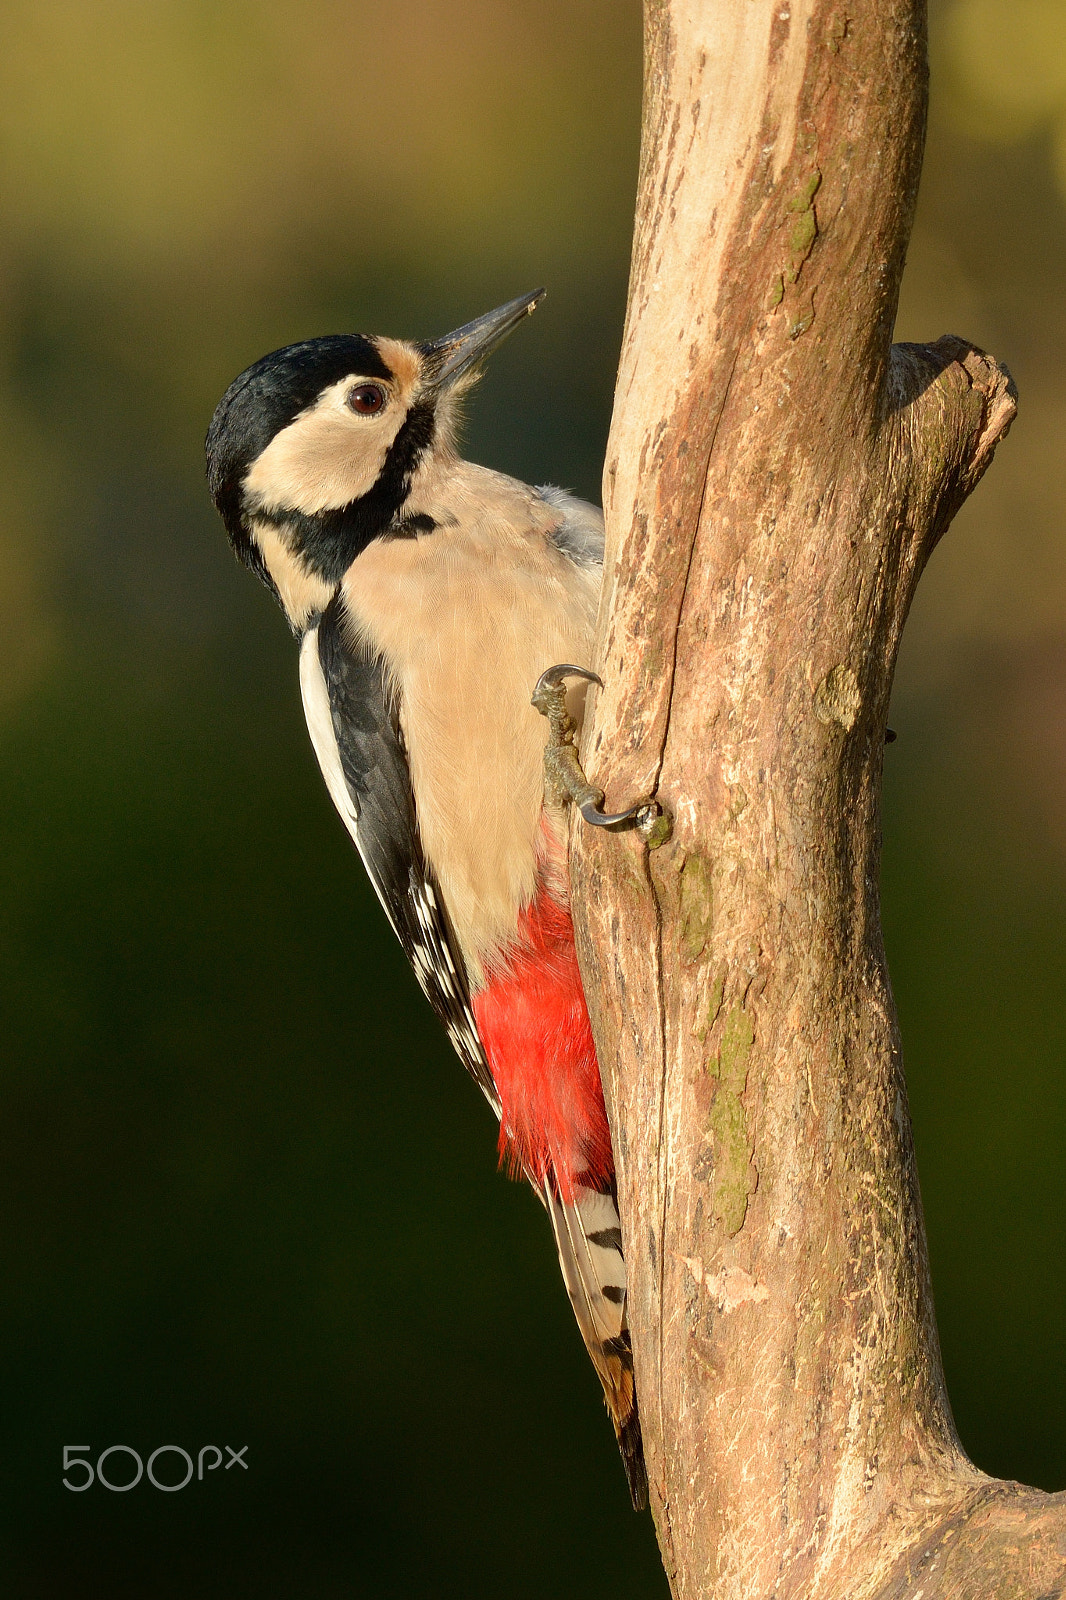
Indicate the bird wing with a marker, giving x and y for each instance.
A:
(356, 737)
(580, 533)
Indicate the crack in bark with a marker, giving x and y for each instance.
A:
(688, 570)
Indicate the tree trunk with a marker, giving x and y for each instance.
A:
(776, 478)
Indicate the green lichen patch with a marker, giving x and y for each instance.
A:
(804, 232)
(738, 1036)
(734, 1175)
(730, 1186)
(658, 832)
(803, 198)
(697, 906)
(837, 698)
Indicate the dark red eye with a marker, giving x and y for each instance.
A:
(366, 399)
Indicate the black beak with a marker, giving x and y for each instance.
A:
(457, 352)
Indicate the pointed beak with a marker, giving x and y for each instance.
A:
(456, 353)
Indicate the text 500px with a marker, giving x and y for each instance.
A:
(111, 1474)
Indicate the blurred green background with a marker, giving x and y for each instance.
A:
(248, 1196)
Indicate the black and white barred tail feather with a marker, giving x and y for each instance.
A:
(588, 1237)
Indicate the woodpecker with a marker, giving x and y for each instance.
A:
(428, 596)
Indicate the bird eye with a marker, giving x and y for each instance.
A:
(366, 399)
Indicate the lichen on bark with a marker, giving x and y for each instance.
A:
(734, 1173)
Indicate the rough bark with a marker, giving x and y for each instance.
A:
(776, 477)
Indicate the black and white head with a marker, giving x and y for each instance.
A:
(318, 448)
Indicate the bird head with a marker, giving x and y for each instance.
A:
(318, 448)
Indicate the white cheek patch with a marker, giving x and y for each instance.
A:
(327, 457)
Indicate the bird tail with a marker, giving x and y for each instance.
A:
(589, 1240)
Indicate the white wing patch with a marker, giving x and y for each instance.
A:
(319, 717)
(423, 937)
(315, 697)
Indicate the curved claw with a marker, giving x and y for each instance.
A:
(547, 698)
(647, 817)
(553, 676)
(563, 771)
(601, 819)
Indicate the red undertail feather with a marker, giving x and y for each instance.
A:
(535, 1028)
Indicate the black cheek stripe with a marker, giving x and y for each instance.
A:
(329, 541)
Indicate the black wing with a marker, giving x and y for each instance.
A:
(356, 735)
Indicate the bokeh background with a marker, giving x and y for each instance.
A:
(248, 1196)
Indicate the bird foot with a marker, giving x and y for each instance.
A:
(563, 776)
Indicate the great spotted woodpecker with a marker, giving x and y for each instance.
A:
(429, 595)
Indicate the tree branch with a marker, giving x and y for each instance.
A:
(776, 478)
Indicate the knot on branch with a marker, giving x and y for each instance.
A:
(951, 404)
